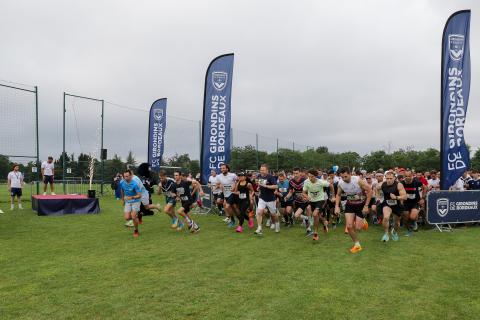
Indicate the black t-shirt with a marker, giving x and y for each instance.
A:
(267, 194)
(412, 189)
(474, 184)
(297, 188)
(183, 190)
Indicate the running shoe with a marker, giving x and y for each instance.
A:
(272, 226)
(394, 235)
(174, 222)
(268, 223)
(227, 219)
(308, 232)
(135, 233)
(365, 224)
(129, 223)
(315, 237)
(409, 233)
(258, 232)
(196, 228)
(277, 227)
(415, 226)
(53, 194)
(355, 249)
(385, 237)
(20, 207)
(231, 224)
(180, 225)
(239, 229)
(250, 224)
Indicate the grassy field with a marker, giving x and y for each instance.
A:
(90, 267)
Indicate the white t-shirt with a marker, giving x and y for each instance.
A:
(227, 182)
(434, 184)
(16, 179)
(213, 184)
(458, 186)
(47, 168)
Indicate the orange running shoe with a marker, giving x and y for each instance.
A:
(365, 224)
(355, 249)
(315, 237)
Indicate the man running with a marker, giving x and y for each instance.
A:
(166, 186)
(411, 204)
(379, 197)
(299, 201)
(131, 195)
(214, 185)
(185, 190)
(267, 185)
(285, 205)
(227, 181)
(393, 192)
(313, 189)
(15, 184)
(358, 195)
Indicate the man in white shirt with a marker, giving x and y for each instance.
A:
(433, 182)
(47, 175)
(15, 183)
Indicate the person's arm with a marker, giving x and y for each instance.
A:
(366, 187)
(251, 192)
(338, 197)
(235, 188)
(401, 190)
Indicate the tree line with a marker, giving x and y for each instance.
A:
(248, 158)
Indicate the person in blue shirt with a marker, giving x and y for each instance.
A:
(474, 183)
(131, 195)
(286, 206)
(145, 200)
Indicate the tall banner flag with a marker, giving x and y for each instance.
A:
(455, 158)
(156, 133)
(216, 115)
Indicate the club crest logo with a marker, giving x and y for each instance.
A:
(219, 80)
(158, 114)
(442, 207)
(456, 43)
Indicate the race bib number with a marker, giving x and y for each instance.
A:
(391, 202)
(283, 190)
(184, 198)
(180, 191)
(242, 196)
(411, 196)
(353, 197)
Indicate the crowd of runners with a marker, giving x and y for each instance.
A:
(312, 199)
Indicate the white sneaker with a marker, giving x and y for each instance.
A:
(20, 207)
(129, 223)
(268, 223)
(258, 231)
(226, 220)
(44, 193)
(11, 207)
(277, 227)
(53, 194)
(272, 226)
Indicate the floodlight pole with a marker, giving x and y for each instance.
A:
(101, 149)
(37, 164)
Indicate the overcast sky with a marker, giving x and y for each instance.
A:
(351, 75)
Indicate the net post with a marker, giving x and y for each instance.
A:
(256, 149)
(277, 154)
(37, 162)
(63, 152)
(101, 149)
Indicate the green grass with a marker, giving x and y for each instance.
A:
(90, 267)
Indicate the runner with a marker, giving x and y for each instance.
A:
(474, 183)
(268, 186)
(415, 192)
(379, 197)
(15, 184)
(355, 190)
(393, 192)
(244, 191)
(227, 181)
(313, 189)
(131, 195)
(48, 171)
(330, 205)
(145, 200)
(372, 205)
(285, 205)
(299, 201)
(433, 182)
(166, 187)
(214, 185)
(185, 190)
